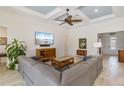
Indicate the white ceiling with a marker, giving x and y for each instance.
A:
(88, 14)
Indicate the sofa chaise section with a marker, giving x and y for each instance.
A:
(38, 74)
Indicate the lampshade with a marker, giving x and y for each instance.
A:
(97, 44)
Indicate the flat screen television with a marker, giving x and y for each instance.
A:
(44, 39)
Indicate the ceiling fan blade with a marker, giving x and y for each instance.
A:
(70, 23)
(68, 19)
(78, 20)
(59, 20)
(62, 23)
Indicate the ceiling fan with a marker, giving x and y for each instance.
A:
(69, 19)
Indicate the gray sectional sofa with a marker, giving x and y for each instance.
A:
(38, 74)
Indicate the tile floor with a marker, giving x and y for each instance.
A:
(10, 77)
(112, 73)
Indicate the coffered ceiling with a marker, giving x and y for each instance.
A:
(42, 9)
(94, 12)
(88, 14)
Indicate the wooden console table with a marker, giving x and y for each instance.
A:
(121, 56)
(2, 55)
(62, 61)
(82, 52)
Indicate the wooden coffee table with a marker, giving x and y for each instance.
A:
(62, 61)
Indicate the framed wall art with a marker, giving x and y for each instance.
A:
(82, 43)
(3, 41)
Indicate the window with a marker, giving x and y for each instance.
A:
(113, 42)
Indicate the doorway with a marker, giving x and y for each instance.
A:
(111, 42)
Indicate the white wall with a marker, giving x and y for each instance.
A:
(23, 28)
(3, 32)
(90, 32)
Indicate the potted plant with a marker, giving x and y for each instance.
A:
(13, 50)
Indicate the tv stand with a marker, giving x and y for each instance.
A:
(46, 53)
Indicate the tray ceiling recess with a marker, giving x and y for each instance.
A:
(94, 12)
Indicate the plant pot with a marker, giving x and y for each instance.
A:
(8, 62)
(16, 66)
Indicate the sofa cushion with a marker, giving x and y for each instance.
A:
(45, 75)
(74, 72)
(27, 64)
(99, 64)
(27, 79)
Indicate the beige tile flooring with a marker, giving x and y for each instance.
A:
(10, 77)
(112, 74)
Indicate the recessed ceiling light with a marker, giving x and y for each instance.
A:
(96, 10)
